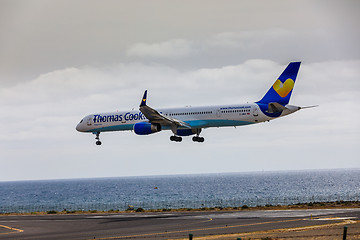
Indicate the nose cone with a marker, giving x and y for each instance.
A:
(80, 127)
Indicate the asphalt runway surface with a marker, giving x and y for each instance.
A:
(164, 225)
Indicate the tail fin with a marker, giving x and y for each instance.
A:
(281, 90)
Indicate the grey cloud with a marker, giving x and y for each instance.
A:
(231, 48)
(43, 36)
(175, 48)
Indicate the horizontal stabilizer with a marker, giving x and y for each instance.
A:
(275, 107)
(309, 106)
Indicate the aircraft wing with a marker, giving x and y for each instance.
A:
(155, 117)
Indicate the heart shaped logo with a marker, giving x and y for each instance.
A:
(283, 89)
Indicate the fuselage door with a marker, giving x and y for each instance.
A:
(218, 113)
(255, 112)
(89, 121)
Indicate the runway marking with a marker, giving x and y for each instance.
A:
(334, 218)
(185, 224)
(151, 234)
(12, 229)
(192, 230)
(250, 234)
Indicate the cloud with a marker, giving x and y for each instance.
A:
(252, 39)
(227, 42)
(232, 47)
(174, 48)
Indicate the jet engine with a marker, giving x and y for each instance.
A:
(145, 128)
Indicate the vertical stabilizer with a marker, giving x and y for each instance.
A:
(280, 91)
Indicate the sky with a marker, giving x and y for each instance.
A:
(61, 60)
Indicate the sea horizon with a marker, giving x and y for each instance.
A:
(185, 174)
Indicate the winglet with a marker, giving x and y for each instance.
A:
(143, 101)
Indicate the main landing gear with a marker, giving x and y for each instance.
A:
(98, 142)
(179, 139)
(175, 139)
(197, 138)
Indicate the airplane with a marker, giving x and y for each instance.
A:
(189, 121)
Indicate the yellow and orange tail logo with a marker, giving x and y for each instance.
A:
(283, 89)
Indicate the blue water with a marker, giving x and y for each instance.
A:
(181, 191)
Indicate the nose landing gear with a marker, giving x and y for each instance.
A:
(98, 142)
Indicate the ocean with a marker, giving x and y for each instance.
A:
(181, 191)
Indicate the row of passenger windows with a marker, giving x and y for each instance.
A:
(188, 113)
(232, 111)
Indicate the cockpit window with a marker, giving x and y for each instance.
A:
(81, 120)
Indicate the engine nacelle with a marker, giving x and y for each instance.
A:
(185, 132)
(145, 128)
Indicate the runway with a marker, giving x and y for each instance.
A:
(165, 225)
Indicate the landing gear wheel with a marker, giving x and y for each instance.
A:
(98, 143)
(175, 139)
(198, 139)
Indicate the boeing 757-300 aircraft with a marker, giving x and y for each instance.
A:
(191, 120)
